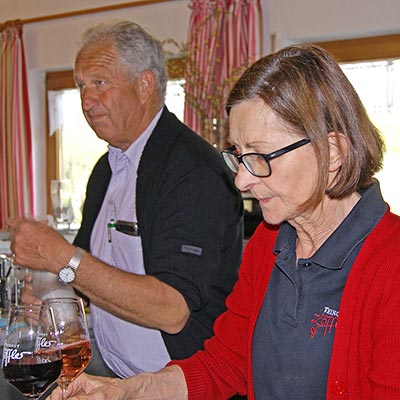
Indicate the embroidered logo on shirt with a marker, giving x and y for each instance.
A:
(324, 322)
(191, 249)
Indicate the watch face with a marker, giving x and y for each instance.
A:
(66, 274)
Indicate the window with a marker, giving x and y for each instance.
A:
(72, 146)
(373, 67)
(175, 98)
(381, 98)
(78, 147)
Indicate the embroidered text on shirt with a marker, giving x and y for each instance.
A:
(325, 321)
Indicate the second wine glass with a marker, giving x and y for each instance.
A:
(31, 355)
(69, 318)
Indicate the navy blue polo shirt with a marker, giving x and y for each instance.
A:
(293, 338)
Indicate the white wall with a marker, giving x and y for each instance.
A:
(51, 45)
(318, 20)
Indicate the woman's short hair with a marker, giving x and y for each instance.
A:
(307, 89)
(138, 50)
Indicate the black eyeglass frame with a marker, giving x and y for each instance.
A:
(267, 157)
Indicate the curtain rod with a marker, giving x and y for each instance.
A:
(87, 11)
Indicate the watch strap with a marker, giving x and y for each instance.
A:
(76, 259)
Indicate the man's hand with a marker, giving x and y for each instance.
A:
(27, 296)
(38, 246)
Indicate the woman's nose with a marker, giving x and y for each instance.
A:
(244, 179)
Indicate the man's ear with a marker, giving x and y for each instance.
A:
(338, 148)
(147, 85)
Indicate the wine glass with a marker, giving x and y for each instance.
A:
(68, 315)
(61, 199)
(32, 359)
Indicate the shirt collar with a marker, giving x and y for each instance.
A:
(364, 216)
(134, 152)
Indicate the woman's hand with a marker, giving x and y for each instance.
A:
(89, 387)
(167, 384)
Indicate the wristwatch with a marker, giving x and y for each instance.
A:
(67, 274)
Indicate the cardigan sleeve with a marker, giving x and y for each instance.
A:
(221, 370)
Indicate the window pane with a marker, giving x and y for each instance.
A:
(79, 147)
(378, 85)
(175, 97)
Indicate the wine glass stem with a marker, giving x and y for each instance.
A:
(63, 387)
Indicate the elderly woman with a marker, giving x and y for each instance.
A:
(314, 313)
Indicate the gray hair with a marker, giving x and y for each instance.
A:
(138, 50)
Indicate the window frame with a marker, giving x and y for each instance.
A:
(363, 49)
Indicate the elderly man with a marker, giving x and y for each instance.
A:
(162, 221)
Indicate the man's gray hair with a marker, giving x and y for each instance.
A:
(138, 50)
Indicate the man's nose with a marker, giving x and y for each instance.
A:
(88, 98)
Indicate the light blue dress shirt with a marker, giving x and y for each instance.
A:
(128, 349)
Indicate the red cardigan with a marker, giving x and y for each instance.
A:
(365, 361)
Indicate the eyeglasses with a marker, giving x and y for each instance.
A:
(257, 164)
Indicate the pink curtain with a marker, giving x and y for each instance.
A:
(16, 192)
(224, 38)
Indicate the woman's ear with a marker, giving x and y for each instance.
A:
(338, 148)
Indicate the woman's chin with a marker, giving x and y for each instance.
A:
(271, 219)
